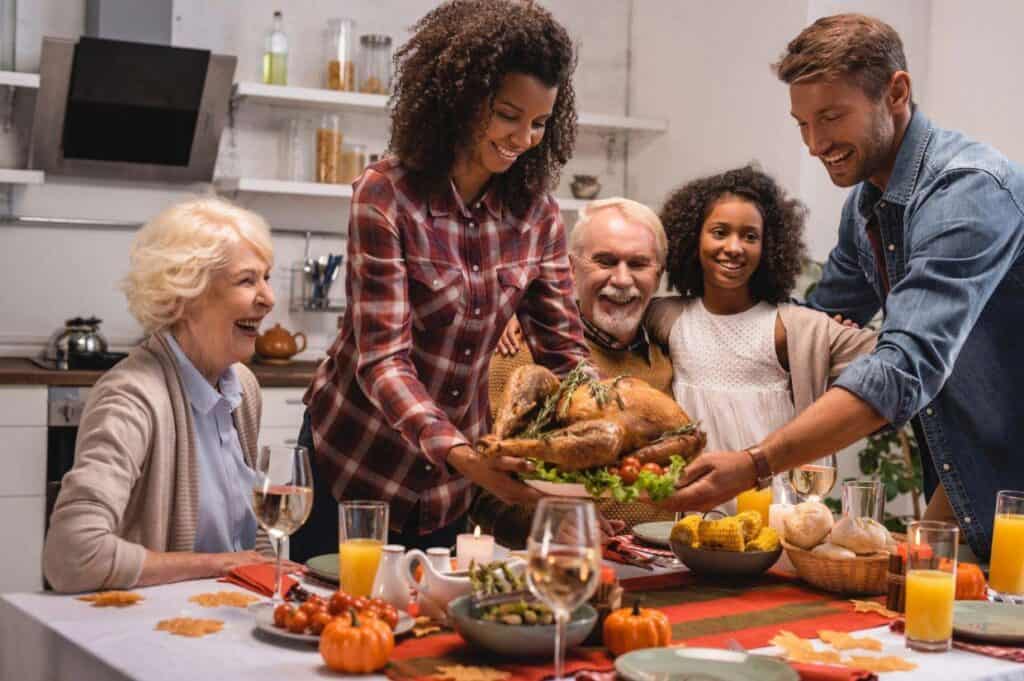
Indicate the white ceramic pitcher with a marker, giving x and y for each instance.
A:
(438, 585)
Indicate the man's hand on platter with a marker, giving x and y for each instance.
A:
(492, 473)
(508, 343)
(712, 479)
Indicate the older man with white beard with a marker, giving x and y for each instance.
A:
(617, 252)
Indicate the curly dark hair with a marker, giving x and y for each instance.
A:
(783, 250)
(447, 76)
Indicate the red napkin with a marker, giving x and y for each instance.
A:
(828, 672)
(258, 577)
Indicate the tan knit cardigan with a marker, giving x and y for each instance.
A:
(134, 484)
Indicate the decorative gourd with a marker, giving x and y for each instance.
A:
(356, 646)
(629, 629)
(970, 581)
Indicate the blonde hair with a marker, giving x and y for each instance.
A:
(633, 211)
(175, 254)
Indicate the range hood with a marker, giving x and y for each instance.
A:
(129, 110)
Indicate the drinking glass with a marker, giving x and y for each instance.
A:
(759, 500)
(814, 480)
(1006, 570)
(864, 499)
(282, 497)
(931, 585)
(564, 553)
(362, 533)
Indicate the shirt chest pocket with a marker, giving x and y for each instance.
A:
(436, 293)
(513, 280)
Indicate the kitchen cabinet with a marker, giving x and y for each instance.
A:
(282, 416)
(22, 485)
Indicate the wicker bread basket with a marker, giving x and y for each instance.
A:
(863, 575)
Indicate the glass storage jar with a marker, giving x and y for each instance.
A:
(340, 54)
(296, 157)
(328, 148)
(375, 64)
(353, 160)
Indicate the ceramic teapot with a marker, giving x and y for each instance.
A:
(278, 345)
(585, 186)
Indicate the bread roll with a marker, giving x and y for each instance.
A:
(830, 550)
(860, 535)
(808, 524)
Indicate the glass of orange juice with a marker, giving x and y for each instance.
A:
(931, 584)
(1006, 569)
(759, 500)
(362, 533)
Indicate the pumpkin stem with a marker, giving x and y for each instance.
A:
(352, 614)
(636, 608)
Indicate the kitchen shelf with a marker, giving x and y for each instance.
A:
(20, 79)
(16, 176)
(261, 186)
(321, 98)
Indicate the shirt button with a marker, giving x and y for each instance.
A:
(472, 223)
(455, 393)
(467, 352)
(436, 283)
(476, 311)
(881, 204)
(929, 411)
(476, 268)
(967, 520)
(427, 467)
(945, 466)
(892, 247)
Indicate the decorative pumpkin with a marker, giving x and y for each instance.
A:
(629, 629)
(970, 581)
(356, 646)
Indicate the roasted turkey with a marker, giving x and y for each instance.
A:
(581, 423)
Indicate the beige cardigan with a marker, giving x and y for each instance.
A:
(819, 348)
(134, 483)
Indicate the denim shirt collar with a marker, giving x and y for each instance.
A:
(906, 169)
(201, 395)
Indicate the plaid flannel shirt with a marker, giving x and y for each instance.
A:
(431, 285)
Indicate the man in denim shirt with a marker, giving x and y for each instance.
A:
(932, 233)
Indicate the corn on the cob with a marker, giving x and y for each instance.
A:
(726, 533)
(766, 540)
(751, 523)
(685, 531)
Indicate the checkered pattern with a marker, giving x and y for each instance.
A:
(430, 286)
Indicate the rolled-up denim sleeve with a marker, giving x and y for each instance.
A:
(964, 234)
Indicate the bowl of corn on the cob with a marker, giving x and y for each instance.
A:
(734, 546)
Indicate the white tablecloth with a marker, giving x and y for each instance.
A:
(57, 638)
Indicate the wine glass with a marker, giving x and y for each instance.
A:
(282, 497)
(814, 480)
(564, 553)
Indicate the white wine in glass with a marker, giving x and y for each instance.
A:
(814, 480)
(564, 561)
(282, 497)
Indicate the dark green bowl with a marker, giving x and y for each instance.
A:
(712, 563)
(517, 640)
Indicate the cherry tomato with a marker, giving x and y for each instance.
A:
(340, 603)
(630, 461)
(389, 614)
(298, 622)
(629, 474)
(359, 603)
(320, 620)
(281, 613)
(310, 608)
(653, 468)
(379, 603)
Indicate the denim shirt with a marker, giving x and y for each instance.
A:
(226, 520)
(952, 231)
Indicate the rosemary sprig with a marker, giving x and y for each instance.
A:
(573, 380)
(681, 430)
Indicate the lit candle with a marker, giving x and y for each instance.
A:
(476, 547)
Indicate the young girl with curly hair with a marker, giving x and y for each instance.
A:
(745, 361)
(450, 236)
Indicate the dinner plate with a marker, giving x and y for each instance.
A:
(656, 533)
(324, 567)
(559, 489)
(264, 617)
(676, 664)
(1000, 623)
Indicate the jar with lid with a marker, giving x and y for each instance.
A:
(339, 55)
(375, 64)
(328, 148)
(353, 160)
(296, 151)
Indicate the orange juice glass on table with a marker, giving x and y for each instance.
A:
(1006, 569)
(362, 533)
(759, 500)
(931, 585)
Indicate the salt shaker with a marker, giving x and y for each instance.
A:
(389, 584)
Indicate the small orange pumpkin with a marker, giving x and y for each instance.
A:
(970, 581)
(629, 629)
(356, 646)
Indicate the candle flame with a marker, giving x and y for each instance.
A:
(476, 532)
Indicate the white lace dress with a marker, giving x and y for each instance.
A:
(726, 374)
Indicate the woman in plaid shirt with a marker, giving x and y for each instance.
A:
(449, 237)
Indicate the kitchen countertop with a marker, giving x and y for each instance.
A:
(21, 371)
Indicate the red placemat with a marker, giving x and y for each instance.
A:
(702, 613)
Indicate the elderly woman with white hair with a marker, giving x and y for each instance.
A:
(161, 485)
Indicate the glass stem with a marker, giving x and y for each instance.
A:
(279, 545)
(561, 617)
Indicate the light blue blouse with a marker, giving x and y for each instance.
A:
(226, 519)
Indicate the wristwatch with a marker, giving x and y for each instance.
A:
(762, 470)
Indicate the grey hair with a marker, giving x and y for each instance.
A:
(629, 209)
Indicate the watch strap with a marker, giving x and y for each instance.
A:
(761, 467)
